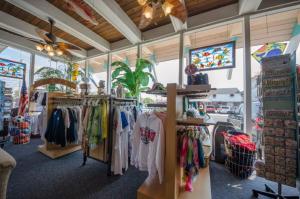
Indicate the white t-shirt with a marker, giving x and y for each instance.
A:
(148, 146)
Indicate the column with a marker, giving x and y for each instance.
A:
(31, 69)
(109, 62)
(247, 75)
(181, 56)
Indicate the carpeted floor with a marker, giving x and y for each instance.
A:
(38, 177)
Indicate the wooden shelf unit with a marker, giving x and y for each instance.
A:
(171, 187)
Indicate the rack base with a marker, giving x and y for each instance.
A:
(272, 194)
(57, 153)
(151, 191)
(202, 189)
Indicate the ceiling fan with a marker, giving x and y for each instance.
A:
(169, 7)
(49, 43)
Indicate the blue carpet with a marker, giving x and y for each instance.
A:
(39, 177)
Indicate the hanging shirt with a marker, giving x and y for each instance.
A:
(104, 119)
(116, 164)
(148, 145)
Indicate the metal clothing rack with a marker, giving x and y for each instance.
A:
(112, 101)
(95, 100)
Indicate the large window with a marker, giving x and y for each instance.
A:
(225, 103)
(18, 56)
(97, 70)
(46, 62)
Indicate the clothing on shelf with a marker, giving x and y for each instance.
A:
(148, 145)
(190, 152)
(64, 125)
(122, 129)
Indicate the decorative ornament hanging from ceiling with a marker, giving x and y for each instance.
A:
(82, 10)
(154, 7)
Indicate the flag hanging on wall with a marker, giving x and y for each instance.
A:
(23, 99)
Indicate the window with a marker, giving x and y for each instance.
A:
(164, 54)
(224, 80)
(16, 84)
(97, 70)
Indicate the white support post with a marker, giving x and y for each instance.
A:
(86, 69)
(181, 56)
(139, 51)
(109, 62)
(247, 75)
(31, 69)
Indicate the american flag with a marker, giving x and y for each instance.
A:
(23, 99)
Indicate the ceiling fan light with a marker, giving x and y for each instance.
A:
(59, 52)
(142, 2)
(167, 7)
(148, 12)
(51, 53)
(48, 47)
(39, 47)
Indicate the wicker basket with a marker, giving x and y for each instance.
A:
(239, 160)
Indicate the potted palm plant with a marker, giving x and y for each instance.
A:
(133, 80)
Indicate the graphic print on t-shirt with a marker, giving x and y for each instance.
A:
(147, 135)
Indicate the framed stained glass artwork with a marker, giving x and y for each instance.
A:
(269, 50)
(12, 69)
(219, 56)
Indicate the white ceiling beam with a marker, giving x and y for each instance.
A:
(177, 23)
(248, 6)
(42, 9)
(21, 27)
(22, 44)
(113, 13)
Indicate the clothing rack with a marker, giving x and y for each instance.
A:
(113, 101)
(53, 100)
(108, 143)
(100, 152)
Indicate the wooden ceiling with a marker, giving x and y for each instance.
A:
(104, 28)
(31, 19)
(194, 7)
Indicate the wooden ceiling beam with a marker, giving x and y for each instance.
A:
(21, 27)
(113, 13)
(43, 10)
(248, 6)
(177, 24)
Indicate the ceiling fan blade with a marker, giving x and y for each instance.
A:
(28, 38)
(63, 45)
(179, 10)
(66, 53)
(43, 35)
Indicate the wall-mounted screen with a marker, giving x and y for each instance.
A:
(214, 57)
(12, 69)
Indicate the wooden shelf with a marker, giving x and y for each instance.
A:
(188, 90)
(191, 121)
(194, 89)
(202, 189)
